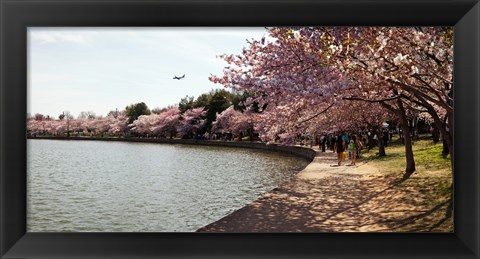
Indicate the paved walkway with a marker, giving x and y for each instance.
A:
(325, 197)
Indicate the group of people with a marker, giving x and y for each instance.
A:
(343, 144)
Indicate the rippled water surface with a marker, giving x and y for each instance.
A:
(141, 187)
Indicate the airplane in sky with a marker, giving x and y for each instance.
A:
(178, 78)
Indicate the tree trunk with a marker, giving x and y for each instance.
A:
(410, 162)
(250, 134)
(446, 136)
(445, 150)
(450, 123)
(370, 140)
(415, 129)
(381, 145)
(435, 135)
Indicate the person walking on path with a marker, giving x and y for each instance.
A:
(329, 142)
(334, 141)
(352, 150)
(345, 138)
(339, 147)
(385, 138)
(358, 144)
(323, 142)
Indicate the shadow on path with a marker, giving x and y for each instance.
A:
(325, 198)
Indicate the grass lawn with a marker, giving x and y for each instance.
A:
(428, 156)
(429, 187)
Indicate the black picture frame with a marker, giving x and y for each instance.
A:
(17, 15)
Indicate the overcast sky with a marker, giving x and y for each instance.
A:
(101, 69)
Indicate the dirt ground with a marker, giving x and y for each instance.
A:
(325, 197)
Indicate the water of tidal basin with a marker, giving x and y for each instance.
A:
(85, 186)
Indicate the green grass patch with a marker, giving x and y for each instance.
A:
(428, 187)
(427, 156)
(430, 157)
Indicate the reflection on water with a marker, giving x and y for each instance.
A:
(142, 187)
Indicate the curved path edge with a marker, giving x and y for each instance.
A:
(325, 197)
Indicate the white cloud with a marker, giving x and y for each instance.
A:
(40, 78)
(46, 37)
(218, 61)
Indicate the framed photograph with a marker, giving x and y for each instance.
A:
(60, 81)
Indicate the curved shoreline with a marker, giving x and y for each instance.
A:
(322, 197)
(303, 152)
(325, 197)
(291, 207)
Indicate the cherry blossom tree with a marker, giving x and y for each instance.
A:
(36, 127)
(192, 120)
(102, 125)
(144, 124)
(224, 120)
(235, 122)
(305, 73)
(78, 125)
(39, 117)
(160, 124)
(406, 70)
(286, 83)
(118, 123)
(167, 122)
(86, 115)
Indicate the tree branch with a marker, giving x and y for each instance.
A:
(318, 114)
(389, 107)
(354, 98)
(419, 94)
